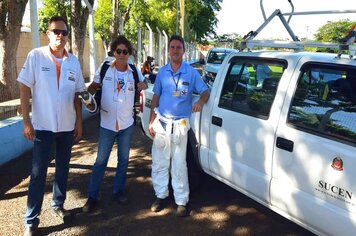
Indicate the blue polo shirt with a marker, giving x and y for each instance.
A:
(175, 90)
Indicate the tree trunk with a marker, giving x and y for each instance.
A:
(79, 30)
(116, 15)
(11, 13)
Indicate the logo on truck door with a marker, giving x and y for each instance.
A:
(337, 164)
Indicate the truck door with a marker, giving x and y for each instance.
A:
(314, 165)
(242, 126)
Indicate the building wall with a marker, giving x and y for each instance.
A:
(25, 47)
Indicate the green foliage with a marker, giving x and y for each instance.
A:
(200, 15)
(102, 19)
(334, 31)
(201, 18)
(53, 8)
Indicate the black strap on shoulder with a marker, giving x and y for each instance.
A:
(135, 75)
(103, 70)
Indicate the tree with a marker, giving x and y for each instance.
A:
(334, 31)
(52, 8)
(79, 20)
(157, 13)
(109, 15)
(11, 14)
(202, 18)
(75, 13)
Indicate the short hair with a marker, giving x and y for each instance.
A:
(176, 37)
(57, 18)
(121, 40)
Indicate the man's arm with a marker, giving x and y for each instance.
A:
(78, 129)
(93, 87)
(154, 104)
(25, 93)
(198, 105)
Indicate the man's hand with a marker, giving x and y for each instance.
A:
(78, 131)
(151, 131)
(197, 106)
(28, 131)
(141, 85)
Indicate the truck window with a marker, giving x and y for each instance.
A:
(324, 103)
(250, 86)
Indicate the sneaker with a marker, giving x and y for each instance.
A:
(182, 211)
(89, 205)
(157, 205)
(31, 231)
(120, 198)
(65, 215)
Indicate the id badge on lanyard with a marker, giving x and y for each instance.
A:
(176, 93)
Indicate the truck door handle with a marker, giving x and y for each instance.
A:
(216, 121)
(285, 144)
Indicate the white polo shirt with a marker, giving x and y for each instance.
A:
(116, 111)
(52, 97)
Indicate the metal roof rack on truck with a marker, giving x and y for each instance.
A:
(346, 43)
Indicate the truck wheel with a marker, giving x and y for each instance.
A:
(195, 174)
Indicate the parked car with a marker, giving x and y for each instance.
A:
(213, 61)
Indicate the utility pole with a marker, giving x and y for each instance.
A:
(177, 17)
(182, 16)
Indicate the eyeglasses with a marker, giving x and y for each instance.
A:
(119, 51)
(58, 32)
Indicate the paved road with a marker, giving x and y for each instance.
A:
(215, 209)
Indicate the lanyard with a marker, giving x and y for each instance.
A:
(176, 82)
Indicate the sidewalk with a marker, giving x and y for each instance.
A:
(215, 208)
(14, 178)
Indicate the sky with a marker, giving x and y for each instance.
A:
(242, 16)
(237, 16)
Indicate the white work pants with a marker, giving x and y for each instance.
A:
(169, 153)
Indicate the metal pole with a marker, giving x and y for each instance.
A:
(34, 24)
(159, 58)
(177, 17)
(139, 43)
(165, 47)
(150, 42)
(91, 40)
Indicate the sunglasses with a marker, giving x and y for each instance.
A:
(119, 51)
(58, 32)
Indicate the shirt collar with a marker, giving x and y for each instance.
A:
(182, 69)
(65, 54)
(113, 64)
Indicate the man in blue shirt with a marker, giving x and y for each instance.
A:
(171, 107)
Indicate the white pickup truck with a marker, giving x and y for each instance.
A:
(286, 138)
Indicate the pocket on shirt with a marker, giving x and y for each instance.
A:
(69, 80)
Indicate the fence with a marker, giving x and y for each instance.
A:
(153, 44)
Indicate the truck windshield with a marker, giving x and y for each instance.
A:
(217, 57)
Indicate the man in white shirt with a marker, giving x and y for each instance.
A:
(53, 77)
(116, 120)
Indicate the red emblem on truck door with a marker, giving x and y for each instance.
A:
(337, 164)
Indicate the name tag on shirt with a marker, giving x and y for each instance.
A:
(71, 75)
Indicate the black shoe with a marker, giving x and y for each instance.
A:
(89, 205)
(65, 215)
(31, 231)
(157, 205)
(182, 211)
(120, 198)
